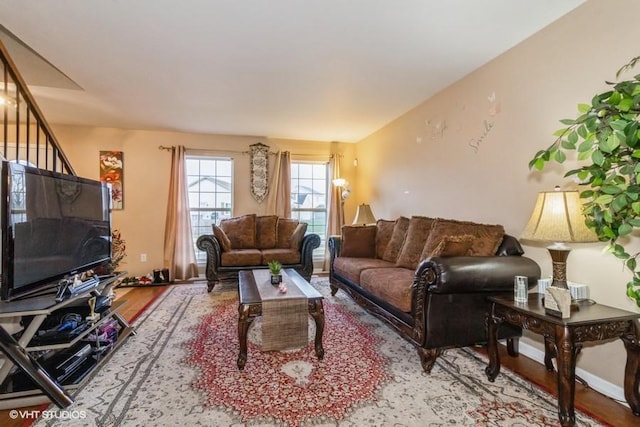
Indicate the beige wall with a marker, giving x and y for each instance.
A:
(425, 163)
(146, 176)
(438, 159)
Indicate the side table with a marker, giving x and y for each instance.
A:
(564, 339)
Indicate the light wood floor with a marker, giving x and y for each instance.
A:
(603, 408)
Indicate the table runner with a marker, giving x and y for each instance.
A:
(285, 316)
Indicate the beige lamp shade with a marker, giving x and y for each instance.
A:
(364, 215)
(557, 217)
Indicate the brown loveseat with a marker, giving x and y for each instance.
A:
(429, 278)
(252, 241)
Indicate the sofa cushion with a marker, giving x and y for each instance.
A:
(298, 235)
(284, 256)
(350, 268)
(393, 285)
(241, 231)
(454, 246)
(219, 234)
(397, 239)
(487, 237)
(358, 242)
(417, 234)
(384, 230)
(241, 257)
(266, 229)
(286, 228)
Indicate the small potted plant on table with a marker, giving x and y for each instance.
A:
(275, 268)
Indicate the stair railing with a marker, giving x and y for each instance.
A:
(25, 137)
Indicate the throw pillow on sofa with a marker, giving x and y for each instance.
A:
(266, 231)
(417, 234)
(358, 242)
(384, 230)
(397, 239)
(453, 246)
(218, 233)
(286, 228)
(241, 231)
(298, 235)
(487, 237)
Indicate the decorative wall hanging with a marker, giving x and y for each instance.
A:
(436, 128)
(259, 171)
(111, 171)
(493, 111)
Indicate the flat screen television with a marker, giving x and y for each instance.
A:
(54, 226)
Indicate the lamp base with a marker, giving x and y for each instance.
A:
(559, 254)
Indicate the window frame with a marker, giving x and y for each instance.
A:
(319, 253)
(196, 228)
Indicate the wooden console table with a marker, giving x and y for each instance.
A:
(563, 340)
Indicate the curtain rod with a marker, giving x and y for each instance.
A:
(162, 147)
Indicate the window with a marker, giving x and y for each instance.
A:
(210, 186)
(309, 199)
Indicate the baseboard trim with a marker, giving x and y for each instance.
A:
(596, 383)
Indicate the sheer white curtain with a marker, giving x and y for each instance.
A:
(179, 255)
(279, 198)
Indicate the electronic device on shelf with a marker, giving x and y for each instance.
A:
(54, 226)
(72, 287)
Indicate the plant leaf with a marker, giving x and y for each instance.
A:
(597, 157)
(624, 229)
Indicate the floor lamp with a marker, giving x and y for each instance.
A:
(344, 190)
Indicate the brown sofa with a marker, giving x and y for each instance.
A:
(429, 278)
(252, 241)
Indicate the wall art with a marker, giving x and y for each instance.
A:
(493, 111)
(259, 171)
(111, 171)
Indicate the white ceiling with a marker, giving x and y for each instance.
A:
(330, 70)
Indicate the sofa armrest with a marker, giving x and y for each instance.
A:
(210, 245)
(309, 243)
(334, 242)
(464, 274)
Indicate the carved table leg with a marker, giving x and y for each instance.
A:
(567, 352)
(244, 321)
(513, 347)
(549, 354)
(493, 369)
(316, 309)
(632, 372)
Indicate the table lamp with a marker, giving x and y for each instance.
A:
(364, 215)
(557, 217)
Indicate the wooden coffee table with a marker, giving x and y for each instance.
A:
(250, 307)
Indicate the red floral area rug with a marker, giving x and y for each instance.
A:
(180, 369)
(289, 386)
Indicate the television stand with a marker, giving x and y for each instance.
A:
(29, 370)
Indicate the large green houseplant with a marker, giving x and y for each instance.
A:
(606, 136)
